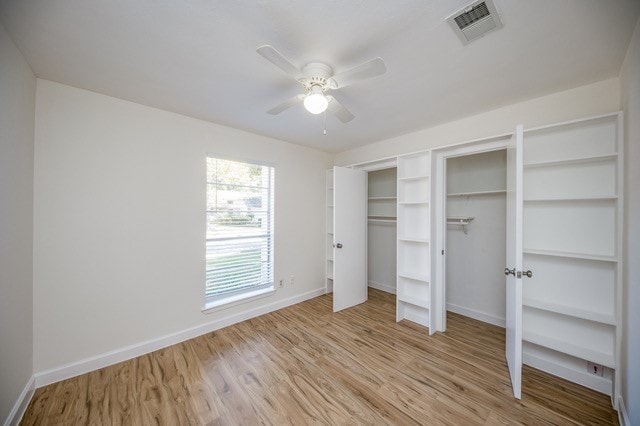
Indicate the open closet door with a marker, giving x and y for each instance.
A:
(513, 269)
(350, 237)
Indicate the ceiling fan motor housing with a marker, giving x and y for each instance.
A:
(316, 74)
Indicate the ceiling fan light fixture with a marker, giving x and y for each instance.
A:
(316, 102)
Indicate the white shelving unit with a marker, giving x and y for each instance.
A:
(572, 243)
(329, 232)
(414, 259)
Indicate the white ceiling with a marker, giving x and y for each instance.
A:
(197, 57)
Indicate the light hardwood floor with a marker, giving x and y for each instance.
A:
(305, 364)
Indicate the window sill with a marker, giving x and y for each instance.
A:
(238, 299)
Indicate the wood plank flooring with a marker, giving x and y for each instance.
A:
(307, 365)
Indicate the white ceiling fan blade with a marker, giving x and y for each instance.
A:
(277, 59)
(369, 69)
(339, 110)
(286, 104)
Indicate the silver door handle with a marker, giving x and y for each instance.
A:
(508, 271)
(528, 274)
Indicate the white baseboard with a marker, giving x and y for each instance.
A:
(480, 316)
(623, 416)
(21, 404)
(382, 287)
(86, 365)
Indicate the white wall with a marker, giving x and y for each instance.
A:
(119, 221)
(476, 260)
(630, 94)
(17, 105)
(593, 99)
(381, 256)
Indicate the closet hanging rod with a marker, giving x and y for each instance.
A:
(382, 219)
(462, 221)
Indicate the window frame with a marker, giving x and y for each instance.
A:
(223, 301)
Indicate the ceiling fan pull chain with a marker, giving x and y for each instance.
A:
(325, 123)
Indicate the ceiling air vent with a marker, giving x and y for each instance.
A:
(475, 20)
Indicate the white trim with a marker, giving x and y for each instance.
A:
(623, 416)
(240, 159)
(575, 121)
(237, 299)
(86, 365)
(477, 315)
(585, 379)
(372, 166)
(21, 404)
(472, 143)
(382, 287)
(619, 306)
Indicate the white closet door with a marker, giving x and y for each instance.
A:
(514, 260)
(350, 237)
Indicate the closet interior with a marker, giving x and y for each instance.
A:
(398, 232)
(381, 229)
(476, 235)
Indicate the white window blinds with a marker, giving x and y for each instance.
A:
(239, 252)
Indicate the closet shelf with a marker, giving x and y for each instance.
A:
(414, 301)
(599, 357)
(382, 198)
(410, 178)
(408, 203)
(414, 276)
(585, 256)
(573, 198)
(467, 194)
(571, 311)
(577, 160)
(414, 240)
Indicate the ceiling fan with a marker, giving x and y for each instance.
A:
(318, 78)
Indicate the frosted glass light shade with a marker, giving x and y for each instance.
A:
(315, 102)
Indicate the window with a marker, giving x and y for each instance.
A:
(239, 252)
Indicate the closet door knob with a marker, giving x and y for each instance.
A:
(528, 274)
(339, 245)
(508, 271)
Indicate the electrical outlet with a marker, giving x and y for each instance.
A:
(280, 283)
(595, 369)
(291, 280)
